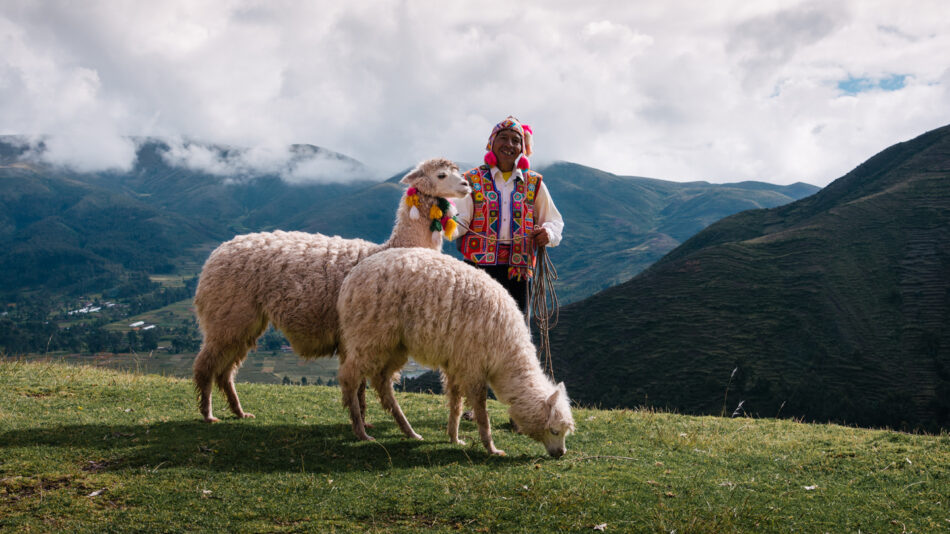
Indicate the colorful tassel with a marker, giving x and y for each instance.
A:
(450, 227)
(414, 213)
(435, 212)
(523, 163)
(490, 159)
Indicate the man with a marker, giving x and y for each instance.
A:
(509, 212)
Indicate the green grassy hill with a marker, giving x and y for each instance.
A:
(835, 307)
(87, 450)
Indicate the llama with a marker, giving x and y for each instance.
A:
(292, 279)
(450, 316)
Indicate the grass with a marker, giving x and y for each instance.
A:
(87, 449)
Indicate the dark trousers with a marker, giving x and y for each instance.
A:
(516, 288)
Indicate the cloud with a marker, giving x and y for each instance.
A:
(722, 91)
(295, 164)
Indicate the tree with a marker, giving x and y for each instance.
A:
(133, 339)
(150, 339)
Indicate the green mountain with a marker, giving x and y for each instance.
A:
(616, 226)
(161, 217)
(834, 307)
(76, 233)
(63, 235)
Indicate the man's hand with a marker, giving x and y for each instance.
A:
(539, 237)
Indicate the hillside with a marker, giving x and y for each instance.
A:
(616, 226)
(85, 450)
(834, 307)
(63, 235)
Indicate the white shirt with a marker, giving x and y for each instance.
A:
(546, 214)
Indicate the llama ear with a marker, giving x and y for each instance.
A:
(412, 176)
(553, 398)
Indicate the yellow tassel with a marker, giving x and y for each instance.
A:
(450, 229)
(435, 212)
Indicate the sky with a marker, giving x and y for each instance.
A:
(723, 91)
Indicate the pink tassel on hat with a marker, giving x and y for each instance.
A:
(523, 162)
(490, 159)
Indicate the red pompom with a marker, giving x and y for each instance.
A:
(490, 159)
(523, 163)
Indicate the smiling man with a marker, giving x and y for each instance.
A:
(509, 212)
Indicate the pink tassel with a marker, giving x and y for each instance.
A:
(490, 159)
(523, 163)
(411, 191)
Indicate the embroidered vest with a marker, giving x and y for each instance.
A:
(480, 244)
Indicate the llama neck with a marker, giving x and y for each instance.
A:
(519, 379)
(414, 233)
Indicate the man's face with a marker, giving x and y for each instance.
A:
(507, 148)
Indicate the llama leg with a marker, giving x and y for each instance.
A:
(350, 382)
(204, 380)
(238, 353)
(478, 396)
(454, 395)
(362, 397)
(383, 384)
(226, 383)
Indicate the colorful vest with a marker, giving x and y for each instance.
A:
(480, 244)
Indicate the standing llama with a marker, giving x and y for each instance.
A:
(450, 316)
(292, 279)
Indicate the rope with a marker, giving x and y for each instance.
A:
(543, 288)
(544, 303)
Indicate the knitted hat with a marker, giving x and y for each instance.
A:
(527, 144)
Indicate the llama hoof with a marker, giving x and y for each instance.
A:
(211, 419)
(246, 415)
(415, 437)
(368, 425)
(498, 452)
(366, 437)
(458, 442)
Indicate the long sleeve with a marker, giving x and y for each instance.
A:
(548, 217)
(465, 207)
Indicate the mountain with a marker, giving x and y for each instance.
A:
(834, 307)
(60, 234)
(615, 226)
(76, 233)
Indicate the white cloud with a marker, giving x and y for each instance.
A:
(679, 90)
(295, 164)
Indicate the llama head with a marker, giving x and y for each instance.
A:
(438, 177)
(550, 424)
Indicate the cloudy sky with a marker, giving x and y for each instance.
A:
(778, 91)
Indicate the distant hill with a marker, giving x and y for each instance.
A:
(616, 226)
(162, 217)
(834, 307)
(60, 234)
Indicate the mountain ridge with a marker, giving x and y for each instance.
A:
(833, 307)
(603, 211)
